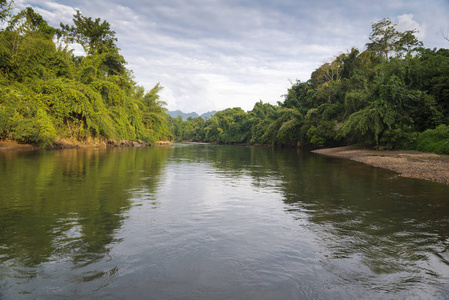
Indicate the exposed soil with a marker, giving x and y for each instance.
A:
(412, 164)
(8, 145)
(11, 145)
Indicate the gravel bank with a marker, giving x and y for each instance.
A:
(412, 164)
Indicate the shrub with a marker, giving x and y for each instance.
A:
(434, 140)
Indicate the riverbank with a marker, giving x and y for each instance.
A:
(8, 145)
(12, 145)
(428, 166)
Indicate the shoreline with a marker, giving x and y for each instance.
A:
(412, 164)
(9, 145)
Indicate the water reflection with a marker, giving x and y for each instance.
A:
(387, 233)
(209, 221)
(61, 209)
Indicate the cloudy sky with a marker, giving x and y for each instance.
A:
(215, 54)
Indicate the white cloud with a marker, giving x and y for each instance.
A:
(407, 22)
(53, 12)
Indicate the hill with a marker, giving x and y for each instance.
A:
(209, 114)
(176, 113)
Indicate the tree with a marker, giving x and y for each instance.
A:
(47, 94)
(385, 39)
(153, 114)
(5, 9)
(408, 42)
(28, 22)
(445, 36)
(94, 36)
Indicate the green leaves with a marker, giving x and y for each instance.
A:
(29, 23)
(385, 39)
(94, 36)
(46, 93)
(5, 9)
(434, 140)
(47, 131)
(265, 124)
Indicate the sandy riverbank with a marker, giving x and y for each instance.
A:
(412, 164)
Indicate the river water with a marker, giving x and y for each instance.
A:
(194, 221)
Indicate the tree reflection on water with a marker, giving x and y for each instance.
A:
(65, 206)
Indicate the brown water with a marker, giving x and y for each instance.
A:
(217, 222)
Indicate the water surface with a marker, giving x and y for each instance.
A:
(217, 222)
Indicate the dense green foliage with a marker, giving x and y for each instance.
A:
(434, 140)
(47, 93)
(386, 96)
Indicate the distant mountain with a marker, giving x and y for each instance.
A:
(209, 114)
(185, 116)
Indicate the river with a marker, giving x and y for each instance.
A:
(193, 221)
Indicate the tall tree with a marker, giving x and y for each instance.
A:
(93, 35)
(386, 39)
(28, 22)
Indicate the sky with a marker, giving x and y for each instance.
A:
(215, 54)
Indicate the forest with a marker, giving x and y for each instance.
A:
(392, 95)
(48, 94)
